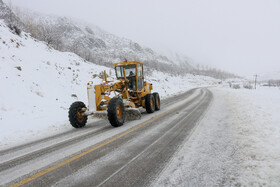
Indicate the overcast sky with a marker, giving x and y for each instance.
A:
(241, 36)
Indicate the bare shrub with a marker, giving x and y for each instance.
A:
(247, 86)
(19, 68)
(235, 86)
(15, 29)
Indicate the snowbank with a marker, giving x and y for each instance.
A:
(236, 144)
(256, 124)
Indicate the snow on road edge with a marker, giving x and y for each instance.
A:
(237, 143)
(207, 157)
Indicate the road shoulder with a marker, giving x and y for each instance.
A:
(236, 144)
(208, 157)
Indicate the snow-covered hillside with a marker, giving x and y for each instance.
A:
(9, 16)
(93, 43)
(39, 84)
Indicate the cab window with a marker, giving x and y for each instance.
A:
(130, 71)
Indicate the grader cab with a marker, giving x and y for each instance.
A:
(126, 94)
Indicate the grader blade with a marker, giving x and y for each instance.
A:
(133, 114)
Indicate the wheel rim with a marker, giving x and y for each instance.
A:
(80, 116)
(152, 103)
(157, 101)
(119, 112)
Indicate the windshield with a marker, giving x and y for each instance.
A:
(129, 69)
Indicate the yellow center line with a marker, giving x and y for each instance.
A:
(41, 173)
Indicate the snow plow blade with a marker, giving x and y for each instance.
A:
(133, 114)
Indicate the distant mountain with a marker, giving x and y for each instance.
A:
(178, 58)
(96, 45)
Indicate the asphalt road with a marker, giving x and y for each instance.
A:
(100, 155)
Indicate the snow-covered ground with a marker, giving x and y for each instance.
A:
(236, 144)
(38, 84)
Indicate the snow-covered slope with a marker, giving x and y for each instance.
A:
(9, 16)
(93, 43)
(38, 84)
(4, 10)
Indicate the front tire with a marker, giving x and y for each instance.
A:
(150, 103)
(76, 116)
(116, 112)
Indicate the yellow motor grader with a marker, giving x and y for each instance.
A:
(129, 92)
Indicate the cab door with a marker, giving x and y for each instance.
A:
(140, 76)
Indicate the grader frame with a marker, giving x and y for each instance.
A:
(129, 92)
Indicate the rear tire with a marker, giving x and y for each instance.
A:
(116, 112)
(157, 101)
(76, 116)
(150, 103)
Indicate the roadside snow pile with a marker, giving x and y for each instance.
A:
(38, 84)
(256, 123)
(236, 144)
(172, 85)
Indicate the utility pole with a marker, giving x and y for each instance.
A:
(256, 81)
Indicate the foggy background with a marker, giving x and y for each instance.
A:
(240, 36)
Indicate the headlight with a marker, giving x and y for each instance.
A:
(89, 83)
